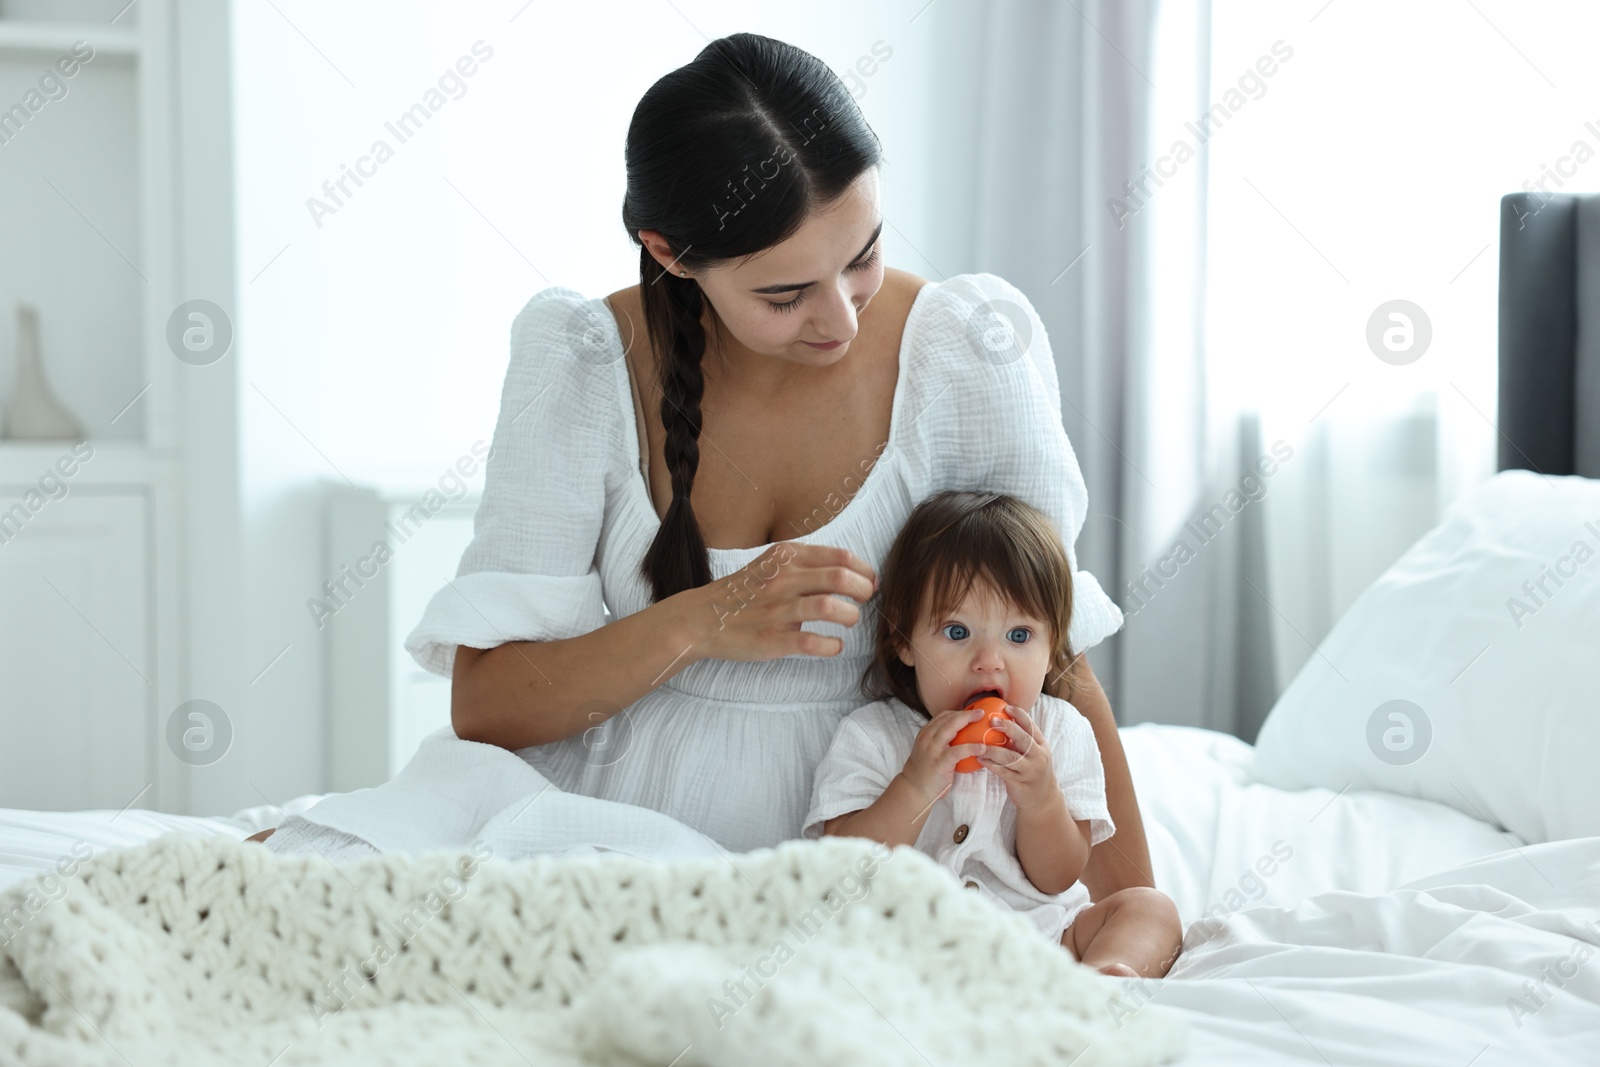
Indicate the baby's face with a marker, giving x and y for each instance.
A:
(985, 643)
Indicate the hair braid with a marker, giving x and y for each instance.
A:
(674, 310)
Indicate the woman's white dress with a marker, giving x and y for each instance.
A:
(729, 748)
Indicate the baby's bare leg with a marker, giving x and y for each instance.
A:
(1134, 932)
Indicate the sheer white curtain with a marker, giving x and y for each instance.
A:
(1233, 242)
(1342, 195)
(1090, 197)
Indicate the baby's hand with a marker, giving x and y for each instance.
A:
(933, 758)
(1023, 763)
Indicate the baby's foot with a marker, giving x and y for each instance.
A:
(1118, 970)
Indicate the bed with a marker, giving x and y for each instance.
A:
(1322, 956)
(1390, 875)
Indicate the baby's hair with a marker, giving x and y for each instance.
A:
(949, 541)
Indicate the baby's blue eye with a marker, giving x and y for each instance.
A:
(957, 626)
(1024, 631)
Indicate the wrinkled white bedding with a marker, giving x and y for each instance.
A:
(1323, 927)
(1395, 931)
(36, 842)
(1218, 841)
(1492, 962)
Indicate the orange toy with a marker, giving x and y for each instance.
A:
(979, 730)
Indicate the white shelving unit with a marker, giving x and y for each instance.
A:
(24, 36)
(92, 646)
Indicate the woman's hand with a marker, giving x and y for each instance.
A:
(1023, 763)
(932, 763)
(755, 613)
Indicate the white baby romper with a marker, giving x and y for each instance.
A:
(972, 829)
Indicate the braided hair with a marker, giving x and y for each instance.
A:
(726, 156)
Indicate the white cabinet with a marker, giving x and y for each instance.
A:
(87, 591)
(92, 635)
(77, 713)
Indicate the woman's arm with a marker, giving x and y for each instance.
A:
(526, 693)
(1123, 859)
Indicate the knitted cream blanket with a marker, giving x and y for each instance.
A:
(840, 951)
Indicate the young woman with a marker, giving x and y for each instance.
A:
(721, 454)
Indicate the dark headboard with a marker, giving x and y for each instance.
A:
(1549, 408)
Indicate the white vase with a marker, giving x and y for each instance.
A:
(34, 413)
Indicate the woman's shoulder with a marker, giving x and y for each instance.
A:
(900, 289)
(559, 318)
(627, 308)
(561, 334)
(979, 323)
(562, 370)
(981, 355)
(969, 290)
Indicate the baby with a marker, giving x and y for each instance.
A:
(976, 598)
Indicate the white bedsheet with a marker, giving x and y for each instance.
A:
(1493, 962)
(33, 842)
(1399, 931)
(1389, 930)
(1210, 827)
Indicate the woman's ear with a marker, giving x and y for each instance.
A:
(906, 654)
(660, 249)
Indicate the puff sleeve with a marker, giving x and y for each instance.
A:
(855, 770)
(1025, 448)
(530, 572)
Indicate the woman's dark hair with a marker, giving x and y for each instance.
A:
(726, 157)
(950, 540)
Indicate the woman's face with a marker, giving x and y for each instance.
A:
(985, 643)
(807, 289)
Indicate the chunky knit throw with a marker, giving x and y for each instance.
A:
(832, 952)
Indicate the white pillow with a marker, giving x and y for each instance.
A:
(1470, 669)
